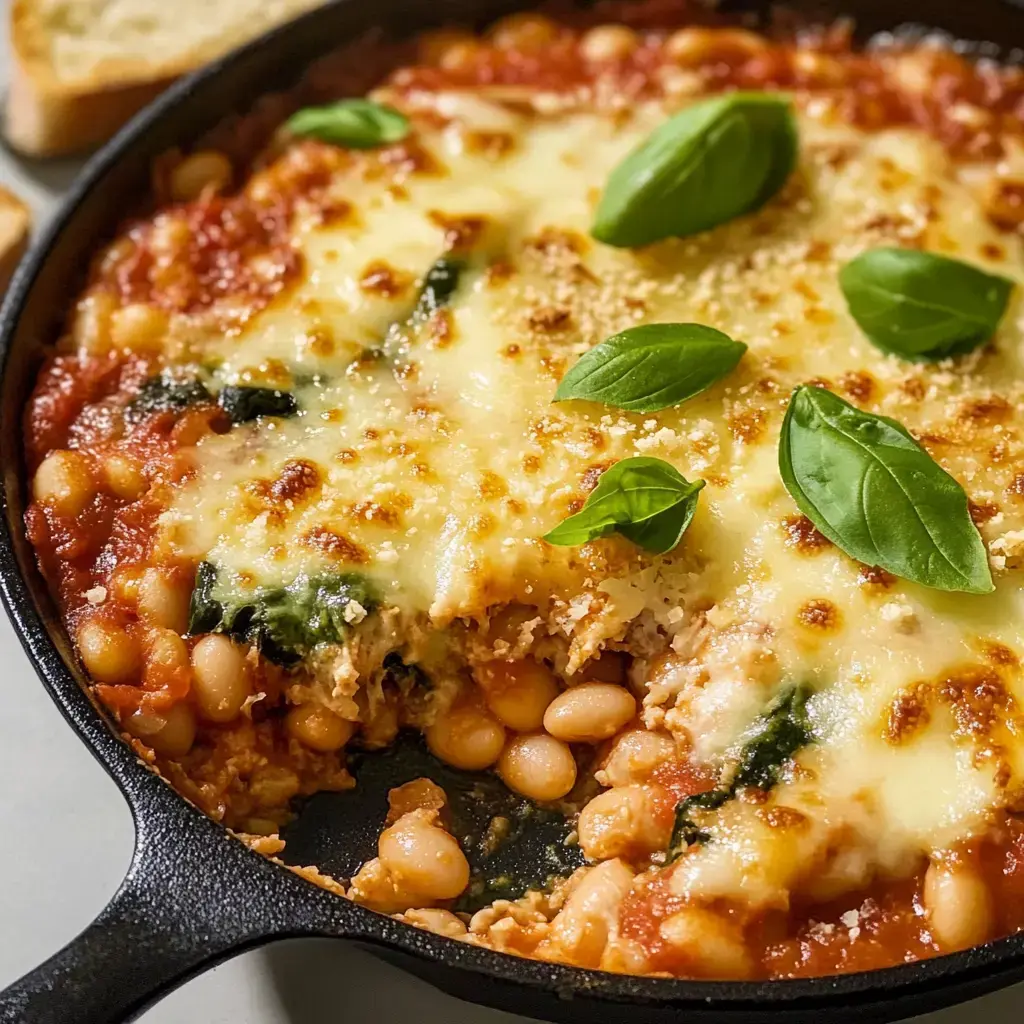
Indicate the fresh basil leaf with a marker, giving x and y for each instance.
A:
(709, 164)
(646, 500)
(922, 306)
(245, 404)
(652, 367)
(356, 123)
(869, 487)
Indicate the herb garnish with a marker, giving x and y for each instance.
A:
(713, 162)
(356, 123)
(652, 367)
(869, 487)
(647, 500)
(919, 305)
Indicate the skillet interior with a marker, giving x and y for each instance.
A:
(200, 922)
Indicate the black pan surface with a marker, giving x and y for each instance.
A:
(194, 896)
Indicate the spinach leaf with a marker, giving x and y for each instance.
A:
(779, 733)
(776, 736)
(922, 306)
(439, 285)
(243, 404)
(167, 392)
(652, 367)
(869, 487)
(356, 123)
(647, 500)
(205, 612)
(713, 162)
(286, 623)
(685, 831)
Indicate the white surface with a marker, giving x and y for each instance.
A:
(69, 838)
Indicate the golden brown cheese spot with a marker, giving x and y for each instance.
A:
(982, 512)
(408, 159)
(990, 409)
(914, 387)
(874, 579)
(491, 486)
(978, 699)
(819, 614)
(593, 474)
(490, 144)
(1016, 488)
(270, 373)
(461, 234)
(558, 242)
(298, 479)
(373, 512)
(498, 274)
(440, 328)
(549, 319)
(908, 713)
(747, 424)
(803, 535)
(782, 817)
(1004, 203)
(999, 654)
(335, 545)
(481, 525)
(858, 385)
(319, 341)
(380, 278)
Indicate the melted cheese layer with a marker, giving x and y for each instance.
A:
(438, 462)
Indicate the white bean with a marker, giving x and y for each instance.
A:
(589, 713)
(630, 822)
(959, 905)
(538, 766)
(221, 678)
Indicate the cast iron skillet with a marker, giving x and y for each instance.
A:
(193, 895)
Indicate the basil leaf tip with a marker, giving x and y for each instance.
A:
(712, 162)
(652, 367)
(646, 500)
(356, 123)
(869, 487)
(923, 306)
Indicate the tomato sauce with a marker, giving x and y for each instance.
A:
(885, 924)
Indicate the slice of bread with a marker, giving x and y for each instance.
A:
(14, 224)
(81, 68)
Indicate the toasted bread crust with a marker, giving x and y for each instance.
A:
(15, 221)
(48, 115)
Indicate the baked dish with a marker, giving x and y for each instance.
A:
(630, 404)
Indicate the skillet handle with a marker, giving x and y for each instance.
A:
(192, 897)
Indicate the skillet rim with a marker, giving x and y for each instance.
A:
(980, 968)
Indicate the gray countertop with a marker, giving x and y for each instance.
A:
(70, 838)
